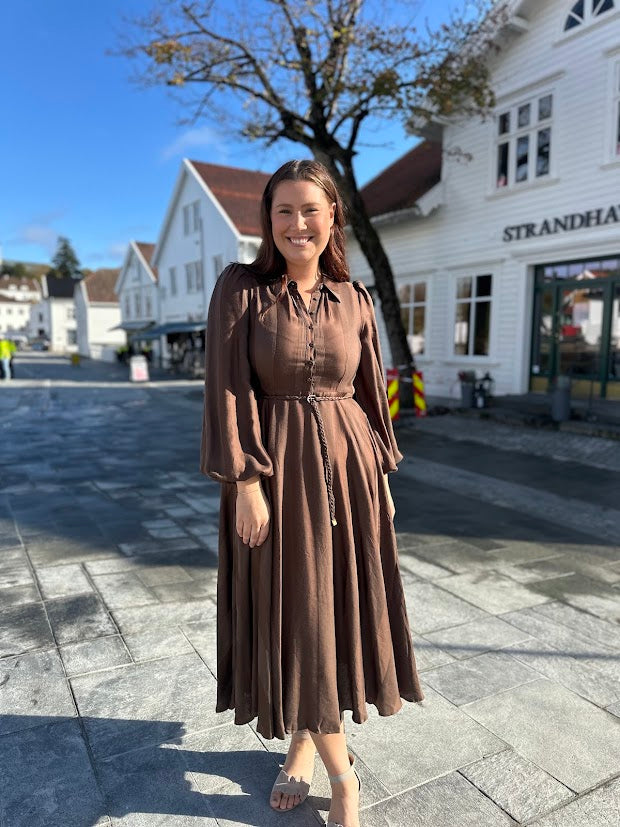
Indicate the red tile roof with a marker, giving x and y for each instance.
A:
(100, 286)
(405, 181)
(239, 191)
(147, 253)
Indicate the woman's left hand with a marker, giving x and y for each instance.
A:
(391, 506)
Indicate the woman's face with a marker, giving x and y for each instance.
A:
(301, 219)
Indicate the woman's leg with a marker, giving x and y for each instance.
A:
(345, 794)
(299, 762)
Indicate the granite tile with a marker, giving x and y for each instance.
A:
(598, 808)
(427, 655)
(442, 802)
(550, 726)
(146, 704)
(160, 575)
(23, 628)
(33, 688)
(582, 593)
(157, 643)
(476, 637)
(581, 621)
(445, 738)
(14, 574)
(190, 590)
(123, 589)
(203, 637)
(19, 595)
(79, 617)
(468, 680)
(492, 591)
(144, 618)
(93, 655)
(62, 581)
(430, 608)
(454, 556)
(46, 779)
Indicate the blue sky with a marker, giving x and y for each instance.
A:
(87, 154)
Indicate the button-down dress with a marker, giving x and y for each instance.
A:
(312, 622)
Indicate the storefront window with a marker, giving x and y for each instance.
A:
(614, 350)
(412, 298)
(472, 324)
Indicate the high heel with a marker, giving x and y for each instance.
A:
(341, 777)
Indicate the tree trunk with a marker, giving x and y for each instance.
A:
(375, 255)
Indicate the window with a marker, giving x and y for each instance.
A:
(199, 278)
(189, 275)
(191, 217)
(137, 300)
(524, 141)
(412, 298)
(70, 312)
(147, 306)
(472, 325)
(40, 317)
(218, 265)
(585, 11)
(72, 337)
(172, 273)
(127, 309)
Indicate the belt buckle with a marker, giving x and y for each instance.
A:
(310, 397)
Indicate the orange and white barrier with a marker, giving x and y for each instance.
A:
(419, 399)
(393, 392)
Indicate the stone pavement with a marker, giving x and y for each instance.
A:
(510, 555)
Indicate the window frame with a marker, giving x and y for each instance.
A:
(472, 273)
(613, 146)
(411, 282)
(172, 278)
(591, 15)
(515, 133)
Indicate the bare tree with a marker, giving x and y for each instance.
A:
(316, 73)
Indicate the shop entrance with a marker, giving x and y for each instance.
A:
(576, 326)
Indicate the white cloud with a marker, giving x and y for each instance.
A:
(37, 235)
(202, 138)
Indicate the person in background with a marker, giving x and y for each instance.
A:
(7, 349)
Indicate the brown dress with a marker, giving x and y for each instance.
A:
(314, 621)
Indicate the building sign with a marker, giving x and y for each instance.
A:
(574, 221)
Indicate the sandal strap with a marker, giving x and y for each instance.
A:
(289, 785)
(346, 773)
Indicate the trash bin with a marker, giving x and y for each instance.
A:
(468, 388)
(138, 369)
(560, 399)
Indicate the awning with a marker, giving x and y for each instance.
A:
(133, 327)
(173, 327)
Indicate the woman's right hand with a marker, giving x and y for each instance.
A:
(252, 516)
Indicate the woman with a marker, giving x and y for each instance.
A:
(311, 613)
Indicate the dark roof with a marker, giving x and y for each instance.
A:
(147, 250)
(99, 286)
(405, 181)
(60, 288)
(239, 191)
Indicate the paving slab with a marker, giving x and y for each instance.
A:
(79, 617)
(478, 677)
(202, 635)
(14, 574)
(46, 779)
(123, 589)
(157, 643)
(33, 688)
(572, 740)
(19, 595)
(580, 621)
(62, 581)
(420, 742)
(443, 802)
(23, 628)
(430, 608)
(427, 655)
(492, 591)
(143, 618)
(146, 704)
(151, 788)
(516, 785)
(598, 808)
(93, 655)
(476, 637)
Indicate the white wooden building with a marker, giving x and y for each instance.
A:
(53, 318)
(137, 292)
(212, 219)
(98, 315)
(510, 262)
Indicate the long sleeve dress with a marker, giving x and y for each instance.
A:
(313, 621)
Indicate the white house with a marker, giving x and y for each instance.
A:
(16, 297)
(54, 316)
(98, 316)
(510, 262)
(212, 219)
(20, 288)
(137, 291)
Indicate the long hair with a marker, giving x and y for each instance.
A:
(269, 263)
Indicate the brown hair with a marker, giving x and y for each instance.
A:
(269, 263)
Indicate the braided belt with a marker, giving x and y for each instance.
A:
(313, 399)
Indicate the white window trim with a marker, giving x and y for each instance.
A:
(413, 280)
(172, 279)
(612, 142)
(512, 104)
(589, 23)
(458, 359)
